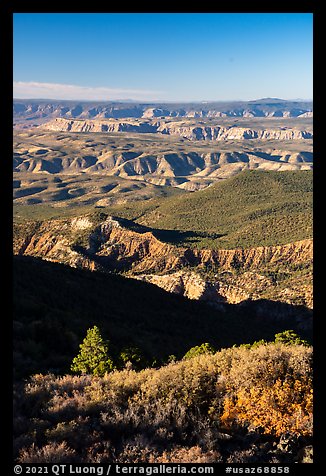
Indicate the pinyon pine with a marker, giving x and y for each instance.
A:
(93, 357)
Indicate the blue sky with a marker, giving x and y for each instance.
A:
(163, 56)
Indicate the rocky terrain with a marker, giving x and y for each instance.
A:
(171, 231)
(242, 236)
(165, 160)
(187, 131)
(217, 275)
(161, 169)
(27, 112)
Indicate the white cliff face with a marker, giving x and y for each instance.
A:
(190, 132)
(67, 125)
(306, 114)
(81, 223)
(232, 133)
(194, 286)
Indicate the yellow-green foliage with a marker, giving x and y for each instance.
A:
(93, 357)
(166, 414)
(283, 407)
(205, 348)
(270, 387)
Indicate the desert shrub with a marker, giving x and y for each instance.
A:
(242, 367)
(253, 454)
(66, 407)
(191, 382)
(140, 450)
(100, 452)
(51, 453)
(37, 391)
(137, 449)
(76, 433)
(283, 407)
(42, 385)
(164, 403)
(194, 454)
(116, 388)
(269, 388)
(55, 398)
(174, 413)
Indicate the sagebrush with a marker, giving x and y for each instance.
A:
(202, 409)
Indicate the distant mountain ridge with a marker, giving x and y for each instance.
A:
(43, 110)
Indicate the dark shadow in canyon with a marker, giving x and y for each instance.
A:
(55, 304)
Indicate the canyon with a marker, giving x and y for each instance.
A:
(207, 201)
(162, 239)
(217, 276)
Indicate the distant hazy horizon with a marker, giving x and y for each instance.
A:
(163, 57)
(121, 100)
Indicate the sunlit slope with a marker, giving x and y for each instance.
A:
(253, 208)
(250, 209)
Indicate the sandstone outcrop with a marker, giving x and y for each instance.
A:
(190, 132)
(73, 125)
(193, 286)
(110, 245)
(230, 133)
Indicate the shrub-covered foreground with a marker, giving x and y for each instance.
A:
(237, 405)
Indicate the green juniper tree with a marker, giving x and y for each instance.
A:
(93, 357)
(289, 337)
(205, 348)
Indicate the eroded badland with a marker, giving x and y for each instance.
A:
(167, 226)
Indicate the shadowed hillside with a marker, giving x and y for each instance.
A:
(56, 304)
